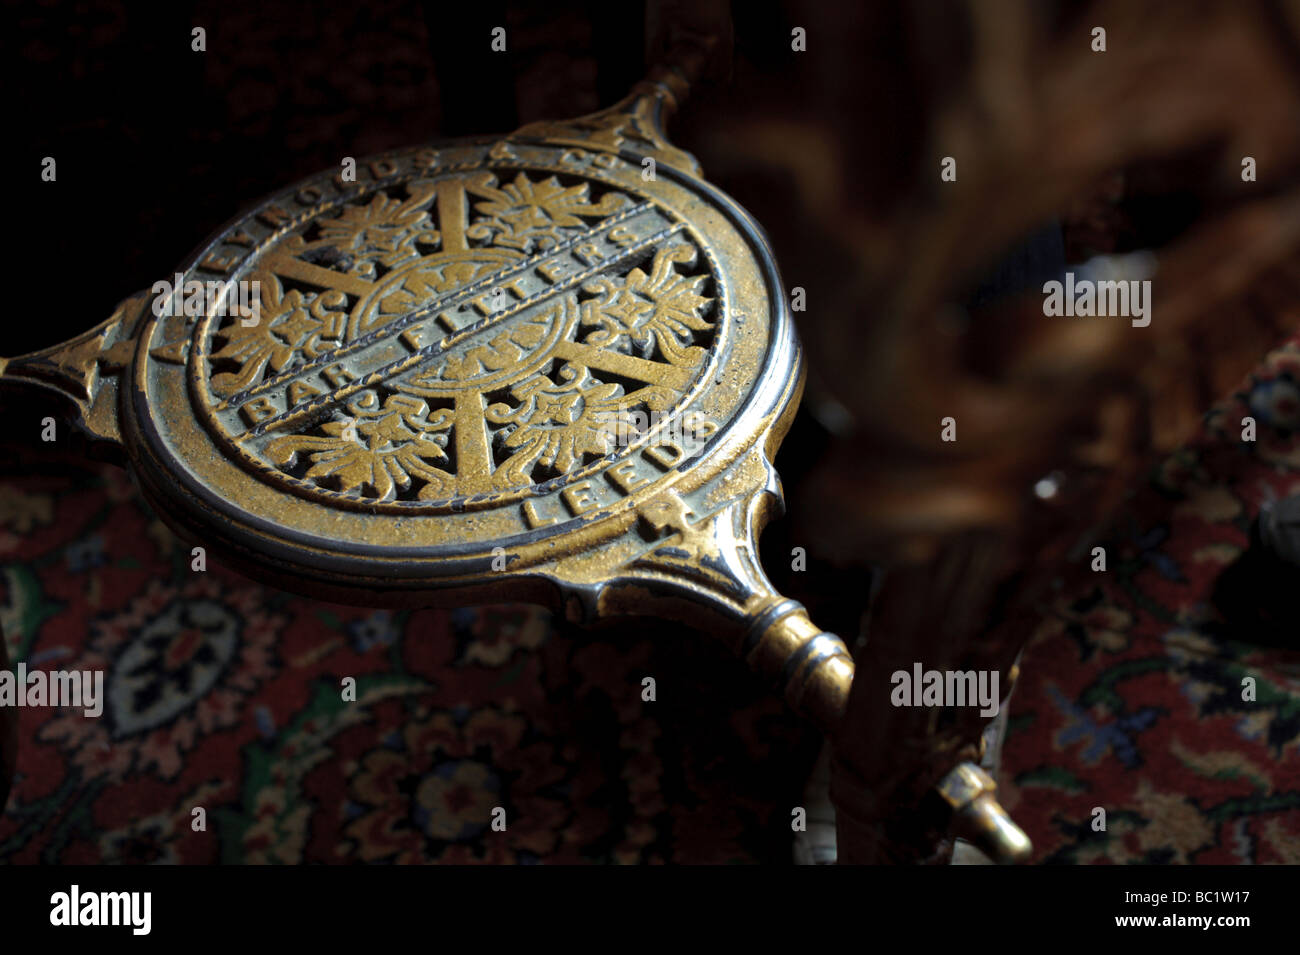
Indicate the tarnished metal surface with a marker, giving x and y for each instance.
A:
(551, 367)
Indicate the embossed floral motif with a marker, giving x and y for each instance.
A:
(556, 425)
(384, 227)
(291, 327)
(529, 215)
(643, 310)
(378, 451)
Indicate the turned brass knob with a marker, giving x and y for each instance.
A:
(978, 818)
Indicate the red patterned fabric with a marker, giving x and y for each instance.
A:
(227, 696)
(1132, 694)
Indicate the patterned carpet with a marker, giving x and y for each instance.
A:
(225, 695)
(1132, 694)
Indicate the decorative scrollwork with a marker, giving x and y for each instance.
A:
(379, 450)
(384, 230)
(556, 425)
(641, 311)
(289, 327)
(533, 216)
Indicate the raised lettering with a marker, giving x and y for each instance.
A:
(577, 499)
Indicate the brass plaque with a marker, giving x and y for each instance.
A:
(553, 367)
(461, 353)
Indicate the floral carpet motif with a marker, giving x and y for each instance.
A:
(224, 695)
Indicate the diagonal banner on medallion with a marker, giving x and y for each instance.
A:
(503, 277)
(425, 354)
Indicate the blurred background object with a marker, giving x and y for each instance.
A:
(926, 303)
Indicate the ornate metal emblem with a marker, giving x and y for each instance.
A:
(551, 367)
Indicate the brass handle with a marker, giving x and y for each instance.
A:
(812, 667)
(82, 374)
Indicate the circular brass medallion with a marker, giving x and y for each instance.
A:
(465, 349)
